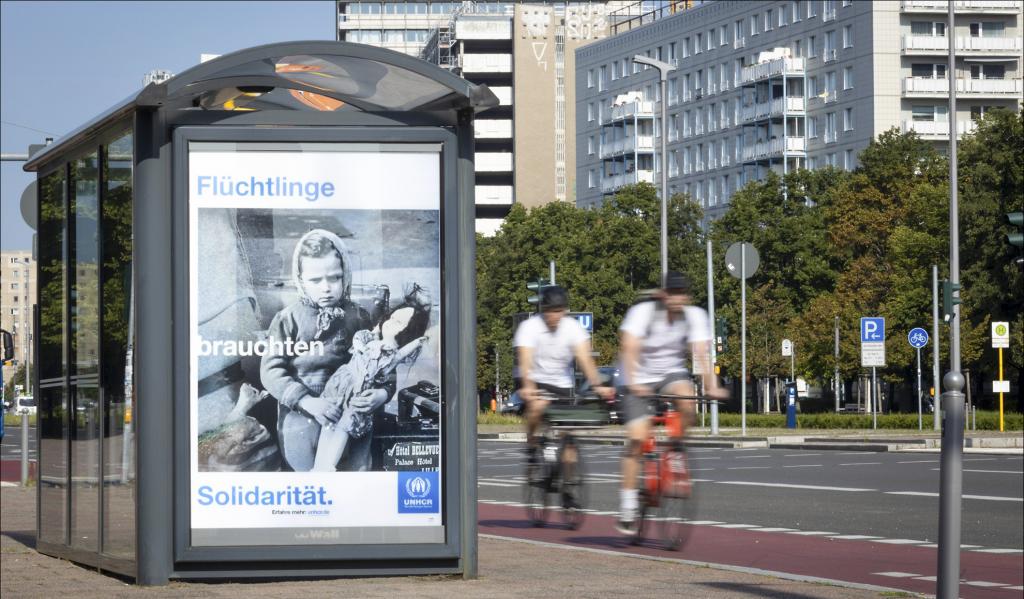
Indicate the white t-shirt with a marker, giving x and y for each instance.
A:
(664, 346)
(552, 350)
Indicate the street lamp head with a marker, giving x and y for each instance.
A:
(663, 67)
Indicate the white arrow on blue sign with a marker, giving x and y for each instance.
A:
(918, 338)
(872, 329)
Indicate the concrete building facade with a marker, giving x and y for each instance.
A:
(525, 53)
(17, 296)
(770, 85)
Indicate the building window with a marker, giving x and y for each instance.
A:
(847, 3)
(712, 40)
(830, 127)
(698, 43)
(830, 45)
(988, 71)
(672, 53)
(847, 77)
(848, 119)
(590, 145)
(812, 9)
(590, 78)
(753, 24)
(929, 28)
(987, 29)
(615, 70)
(848, 36)
(723, 35)
(591, 179)
(602, 79)
(737, 33)
(768, 24)
(928, 70)
(686, 47)
(783, 15)
(590, 112)
(929, 113)
(812, 46)
(812, 127)
(14, 285)
(796, 11)
(848, 160)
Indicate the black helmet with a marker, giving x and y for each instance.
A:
(554, 298)
(676, 281)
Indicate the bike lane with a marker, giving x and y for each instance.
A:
(863, 562)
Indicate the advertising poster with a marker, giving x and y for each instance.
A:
(315, 331)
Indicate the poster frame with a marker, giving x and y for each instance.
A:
(322, 558)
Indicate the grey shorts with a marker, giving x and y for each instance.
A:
(641, 407)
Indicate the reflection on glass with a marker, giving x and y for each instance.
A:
(52, 366)
(116, 375)
(85, 355)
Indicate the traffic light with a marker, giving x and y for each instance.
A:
(721, 334)
(1016, 238)
(948, 301)
(536, 286)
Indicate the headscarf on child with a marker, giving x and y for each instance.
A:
(325, 316)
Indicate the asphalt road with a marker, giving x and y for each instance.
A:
(889, 495)
(10, 449)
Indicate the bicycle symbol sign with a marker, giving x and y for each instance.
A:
(918, 338)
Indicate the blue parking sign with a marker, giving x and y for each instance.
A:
(872, 329)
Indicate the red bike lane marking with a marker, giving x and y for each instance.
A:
(821, 557)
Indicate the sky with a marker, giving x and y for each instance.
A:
(63, 63)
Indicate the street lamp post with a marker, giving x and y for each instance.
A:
(664, 69)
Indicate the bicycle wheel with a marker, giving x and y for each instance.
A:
(677, 501)
(647, 498)
(535, 492)
(573, 487)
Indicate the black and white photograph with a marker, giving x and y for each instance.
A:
(318, 340)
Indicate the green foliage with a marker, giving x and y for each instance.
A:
(986, 421)
(488, 417)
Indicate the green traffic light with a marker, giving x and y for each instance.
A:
(1016, 219)
(948, 299)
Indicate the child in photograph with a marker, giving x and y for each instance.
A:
(323, 313)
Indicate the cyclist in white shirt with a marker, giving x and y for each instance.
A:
(656, 339)
(546, 344)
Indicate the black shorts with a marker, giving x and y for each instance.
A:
(641, 407)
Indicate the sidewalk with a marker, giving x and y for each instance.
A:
(507, 569)
(812, 439)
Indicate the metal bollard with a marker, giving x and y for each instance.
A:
(714, 416)
(24, 448)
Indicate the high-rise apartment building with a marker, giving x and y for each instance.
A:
(17, 296)
(772, 85)
(525, 53)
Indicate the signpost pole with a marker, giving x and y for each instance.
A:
(874, 399)
(838, 383)
(1000, 390)
(743, 339)
(921, 419)
(937, 420)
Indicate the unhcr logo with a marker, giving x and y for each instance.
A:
(417, 493)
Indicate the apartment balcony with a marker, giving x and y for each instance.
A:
(643, 144)
(775, 148)
(610, 184)
(775, 108)
(938, 129)
(494, 194)
(965, 45)
(626, 112)
(992, 7)
(772, 68)
(926, 87)
(483, 28)
(492, 129)
(493, 162)
(486, 63)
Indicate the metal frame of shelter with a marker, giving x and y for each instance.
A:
(286, 93)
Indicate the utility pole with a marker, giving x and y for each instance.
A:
(951, 461)
(838, 383)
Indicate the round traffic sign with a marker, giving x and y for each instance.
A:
(1001, 329)
(742, 256)
(918, 338)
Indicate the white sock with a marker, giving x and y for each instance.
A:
(628, 501)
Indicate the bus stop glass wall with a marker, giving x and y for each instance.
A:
(85, 328)
(52, 363)
(115, 364)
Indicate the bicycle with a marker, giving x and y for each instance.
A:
(555, 466)
(665, 484)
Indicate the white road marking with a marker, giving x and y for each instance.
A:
(895, 574)
(857, 453)
(982, 583)
(707, 458)
(804, 466)
(735, 525)
(980, 459)
(980, 497)
(798, 455)
(862, 464)
(918, 462)
(489, 484)
(775, 529)
(855, 537)
(748, 468)
(928, 578)
(992, 471)
(788, 486)
(750, 457)
(1020, 588)
(812, 533)
(998, 550)
(706, 522)
(898, 541)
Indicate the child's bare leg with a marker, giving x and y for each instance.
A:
(330, 448)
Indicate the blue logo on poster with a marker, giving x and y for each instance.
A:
(417, 493)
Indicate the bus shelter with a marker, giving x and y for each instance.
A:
(256, 322)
